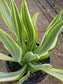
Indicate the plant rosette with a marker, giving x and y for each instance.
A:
(27, 55)
(34, 77)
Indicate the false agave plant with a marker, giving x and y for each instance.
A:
(25, 51)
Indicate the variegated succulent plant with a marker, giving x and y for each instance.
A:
(25, 51)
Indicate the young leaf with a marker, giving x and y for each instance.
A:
(11, 46)
(36, 33)
(34, 24)
(30, 56)
(47, 68)
(4, 77)
(35, 18)
(6, 58)
(26, 18)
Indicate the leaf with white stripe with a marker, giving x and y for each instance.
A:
(34, 19)
(16, 23)
(12, 76)
(47, 68)
(35, 28)
(29, 56)
(50, 38)
(57, 73)
(5, 13)
(6, 58)
(11, 46)
(26, 18)
(24, 78)
(58, 17)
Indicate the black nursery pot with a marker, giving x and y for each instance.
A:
(14, 68)
(9, 69)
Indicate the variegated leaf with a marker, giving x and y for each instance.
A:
(6, 58)
(24, 78)
(50, 38)
(11, 46)
(30, 28)
(47, 68)
(12, 76)
(5, 13)
(17, 24)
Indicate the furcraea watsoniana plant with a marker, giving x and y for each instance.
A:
(25, 51)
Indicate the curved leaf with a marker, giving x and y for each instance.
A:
(4, 77)
(58, 17)
(34, 19)
(36, 67)
(30, 56)
(11, 46)
(47, 68)
(36, 33)
(24, 78)
(50, 38)
(5, 13)
(57, 73)
(6, 58)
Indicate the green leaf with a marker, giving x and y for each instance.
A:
(50, 38)
(5, 77)
(6, 58)
(26, 18)
(6, 49)
(11, 46)
(36, 33)
(36, 67)
(24, 78)
(5, 13)
(34, 19)
(29, 56)
(58, 17)
(16, 22)
(47, 68)
(57, 73)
